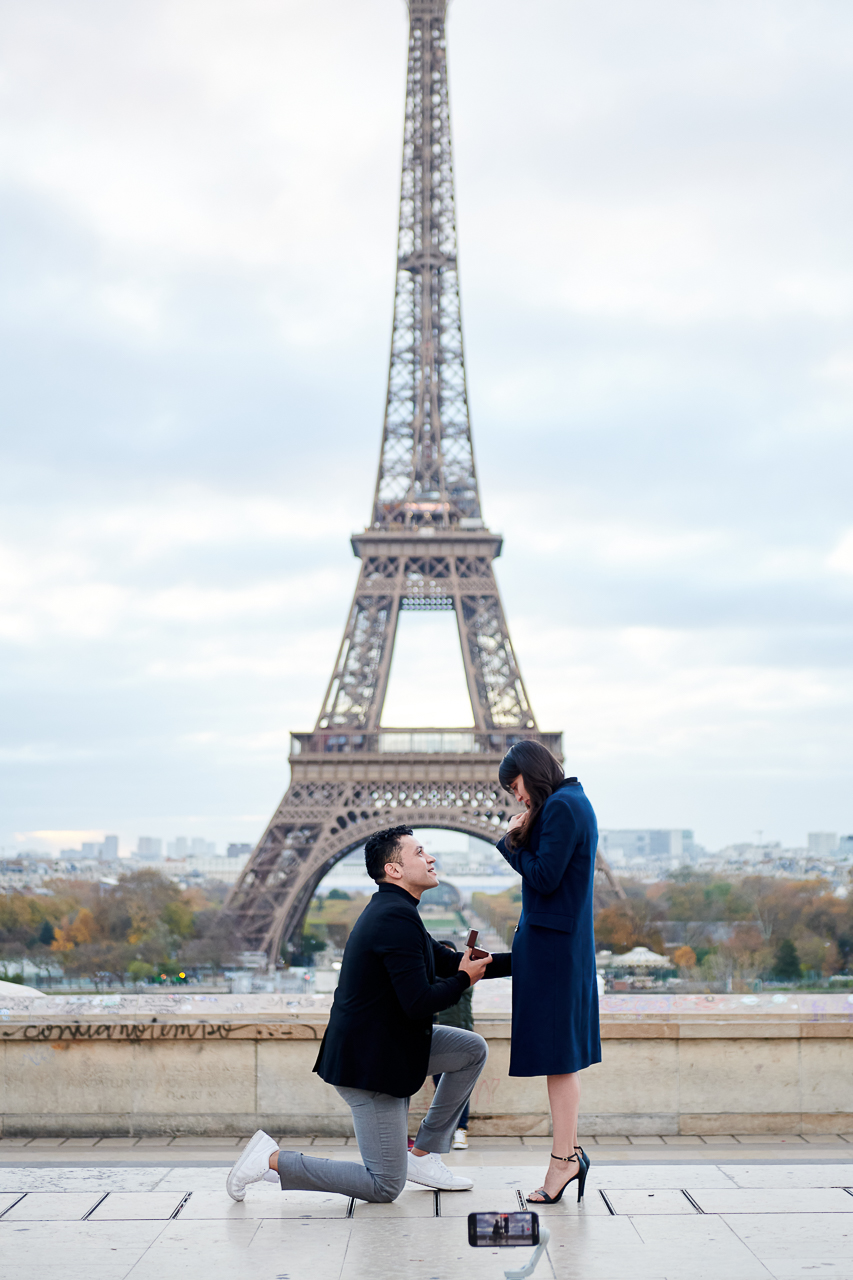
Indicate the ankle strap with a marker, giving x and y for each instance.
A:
(565, 1159)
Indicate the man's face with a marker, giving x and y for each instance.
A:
(414, 872)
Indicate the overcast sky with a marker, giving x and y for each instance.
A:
(199, 204)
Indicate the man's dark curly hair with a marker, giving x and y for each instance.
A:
(381, 848)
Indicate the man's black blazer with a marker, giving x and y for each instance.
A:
(394, 977)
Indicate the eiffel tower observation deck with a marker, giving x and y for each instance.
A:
(426, 547)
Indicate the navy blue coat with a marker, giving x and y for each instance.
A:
(554, 991)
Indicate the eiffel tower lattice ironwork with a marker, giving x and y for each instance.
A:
(426, 547)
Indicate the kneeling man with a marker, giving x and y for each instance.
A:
(381, 1044)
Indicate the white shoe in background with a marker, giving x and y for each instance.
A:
(460, 1140)
(431, 1171)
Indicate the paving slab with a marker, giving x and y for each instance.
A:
(207, 1144)
(458, 1204)
(644, 1202)
(601, 1249)
(74, 1250)
(427, 1250)
(81, 1178)
(774, 1200)
(414, 1202)
(207, 1178)
(509, 1142)
(262, 1249)
(771, 1139)
(294, 1250)
(697, 1248)
(265, 1201)
(195, 1249)
(782, 1174)
(800, 1245)
(659, 1177)
(54, 1206)
(125, 1206)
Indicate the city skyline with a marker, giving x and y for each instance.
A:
(658, 309)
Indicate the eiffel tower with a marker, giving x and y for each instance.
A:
(426, 547)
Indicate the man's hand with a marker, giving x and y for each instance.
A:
(474, 968)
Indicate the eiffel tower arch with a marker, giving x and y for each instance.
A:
(426, 548)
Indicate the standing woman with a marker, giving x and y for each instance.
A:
(554, 991)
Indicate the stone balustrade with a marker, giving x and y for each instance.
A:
(196, 1064)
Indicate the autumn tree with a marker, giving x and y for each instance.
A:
(631, 922)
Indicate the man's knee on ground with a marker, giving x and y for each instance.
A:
(387, 1187)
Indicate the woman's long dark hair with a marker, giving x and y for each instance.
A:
(542, 775)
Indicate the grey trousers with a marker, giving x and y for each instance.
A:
(381, 1126)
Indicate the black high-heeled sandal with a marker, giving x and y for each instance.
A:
(584, 1158)
(579, 1177)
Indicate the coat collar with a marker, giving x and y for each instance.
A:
(387, 887)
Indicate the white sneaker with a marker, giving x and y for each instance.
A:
(431, 1171)
(460, 1140)
(252, 1163)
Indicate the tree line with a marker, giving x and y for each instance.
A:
(745, 928)
(143, 927)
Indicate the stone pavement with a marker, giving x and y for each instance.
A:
(753, 1207)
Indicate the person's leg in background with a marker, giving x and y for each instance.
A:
(458, 1057)
(460, 1136)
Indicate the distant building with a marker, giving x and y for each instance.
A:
(108, 851)
(239, 850)
(844, 849)
(149, 848)
(822, 843)
(196, 847)
(672, 848)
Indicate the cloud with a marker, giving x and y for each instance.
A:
(197, 231)
(841, 559)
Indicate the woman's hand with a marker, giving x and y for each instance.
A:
(516, 821)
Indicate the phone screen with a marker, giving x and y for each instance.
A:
(497, 1230)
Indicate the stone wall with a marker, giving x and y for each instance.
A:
(186, 1064)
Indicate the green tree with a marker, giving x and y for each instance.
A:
(787, 967)
(338, 895)
(308, 947)
(46, 933)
